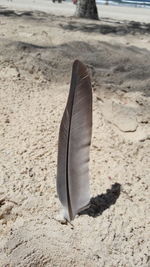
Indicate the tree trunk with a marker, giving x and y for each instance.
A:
(87, 9)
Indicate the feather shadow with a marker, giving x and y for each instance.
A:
(102, 202)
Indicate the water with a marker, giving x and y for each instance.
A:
(134, 3)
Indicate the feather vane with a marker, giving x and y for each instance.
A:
(74, 144)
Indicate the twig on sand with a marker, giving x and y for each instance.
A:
(3, 200)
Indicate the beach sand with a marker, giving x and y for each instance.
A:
(68, 9)
(37, 50)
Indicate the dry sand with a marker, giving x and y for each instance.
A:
(68, 9)
(36, 55)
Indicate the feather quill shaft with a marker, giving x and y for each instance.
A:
(74, 144)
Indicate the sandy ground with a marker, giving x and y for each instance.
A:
(36, 55)
(68, 9)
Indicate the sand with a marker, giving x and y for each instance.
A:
(36, 55)
(68, 9)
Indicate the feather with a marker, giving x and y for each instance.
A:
(74, 144)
